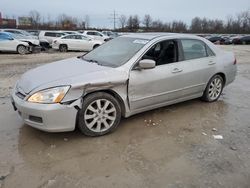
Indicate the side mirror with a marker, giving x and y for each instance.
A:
(147, 64)
(10, 38)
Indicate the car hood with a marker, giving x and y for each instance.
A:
(65, 72)
(33, 41)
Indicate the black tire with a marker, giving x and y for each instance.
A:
(90, 100)
(96, 46)
(207, 93)
(63, 48)
(21, 49)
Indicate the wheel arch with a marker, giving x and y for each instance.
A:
(63, 44)
(223, 77)
(96, 45)
(20, 45)
(114, 94)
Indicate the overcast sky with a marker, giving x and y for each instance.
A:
(100, 11)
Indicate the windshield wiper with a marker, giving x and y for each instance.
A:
(91, 61)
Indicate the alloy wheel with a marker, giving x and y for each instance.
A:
(100, 115)
(215, 88)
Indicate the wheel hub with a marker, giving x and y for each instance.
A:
(100, 115)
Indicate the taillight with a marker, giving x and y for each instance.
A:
(235, 61)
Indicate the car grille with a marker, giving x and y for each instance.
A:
(20, 95)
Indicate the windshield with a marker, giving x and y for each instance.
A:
(115, 52)
(16, 36)
(25, 33)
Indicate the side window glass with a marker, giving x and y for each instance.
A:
(209, 52)
(84, 38)
(163, 53)
(193, 49)
(78, 37)
(50, 34)
(3, 37)
(99, 34)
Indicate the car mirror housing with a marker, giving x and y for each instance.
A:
(147, 64)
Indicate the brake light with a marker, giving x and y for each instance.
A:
(235, 61)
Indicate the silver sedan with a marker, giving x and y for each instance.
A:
(123, 77)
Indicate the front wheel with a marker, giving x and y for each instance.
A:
(100, 114)
(22, 49)
(214, 89)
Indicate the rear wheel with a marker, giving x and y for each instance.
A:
(100, 114)
(21, 49)
(214, 89)
(63, 48)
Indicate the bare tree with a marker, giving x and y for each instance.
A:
(157, 25)
(35, 18)
(179, 27)
(122, 21)
(130, 23)
(147, 21)
(136, 22)
(87, 21)
(67, 22)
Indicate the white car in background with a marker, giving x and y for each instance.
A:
(96, 35)
(49, 36)
(10, 44)
(31, 41)
(19, 32)
(77, 42)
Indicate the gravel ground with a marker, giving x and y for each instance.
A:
(169, 147)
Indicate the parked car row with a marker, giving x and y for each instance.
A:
(229, 39)
(33, 40)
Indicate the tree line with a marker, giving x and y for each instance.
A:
(240, 23)
(233, 24)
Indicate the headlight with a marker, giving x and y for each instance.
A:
(49, 96)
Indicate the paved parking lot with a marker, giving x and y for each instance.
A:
(168, 147)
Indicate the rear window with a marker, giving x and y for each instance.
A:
(53, 34)
(50, 34)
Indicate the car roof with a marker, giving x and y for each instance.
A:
(52, 31)
(91, 31)
(151, 36)
(12, 29)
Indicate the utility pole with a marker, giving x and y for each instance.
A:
(114, 18)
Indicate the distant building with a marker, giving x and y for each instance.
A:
(7, 23)
(24, 21)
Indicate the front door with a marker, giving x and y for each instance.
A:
(150, 87)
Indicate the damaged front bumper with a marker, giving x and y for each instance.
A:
(46, 117)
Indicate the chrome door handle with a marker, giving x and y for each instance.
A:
(176, 70)
(211, 63)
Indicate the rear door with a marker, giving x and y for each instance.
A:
(198, 66)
